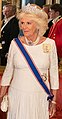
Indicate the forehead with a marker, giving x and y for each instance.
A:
(26, 19)
(51, 10)
(6, 9)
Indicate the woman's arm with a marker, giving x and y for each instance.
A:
(8, 73)
(54, 78)
(3, 91)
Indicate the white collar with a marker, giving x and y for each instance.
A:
(8, 19)
(6, 22)
(56, 19)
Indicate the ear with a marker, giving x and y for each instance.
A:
(57, 13)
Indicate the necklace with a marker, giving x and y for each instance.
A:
(29, 42)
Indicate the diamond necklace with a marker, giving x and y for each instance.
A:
(29, 42)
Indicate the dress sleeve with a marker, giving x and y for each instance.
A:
(7, 75)
(54, 78)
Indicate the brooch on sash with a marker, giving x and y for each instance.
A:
(44, 76)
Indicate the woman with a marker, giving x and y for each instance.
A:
(27, 99)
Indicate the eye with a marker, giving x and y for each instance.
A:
(28, 22)
(22, 22)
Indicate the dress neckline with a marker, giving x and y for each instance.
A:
(35, 45)
(39, 43)
(30, 43)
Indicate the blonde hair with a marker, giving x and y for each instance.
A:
(35, 13)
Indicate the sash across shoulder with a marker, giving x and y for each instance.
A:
(33, 68)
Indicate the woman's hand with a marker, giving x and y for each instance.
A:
(1, 98)
(3, 91)
(52, 108)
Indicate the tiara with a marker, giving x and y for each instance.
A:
(31, 9)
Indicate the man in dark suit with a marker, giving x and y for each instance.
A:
(9, 30)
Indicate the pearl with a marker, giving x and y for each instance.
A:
(29, 42)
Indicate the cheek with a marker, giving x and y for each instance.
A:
(33, 27)
(32, 31)
(51, 15)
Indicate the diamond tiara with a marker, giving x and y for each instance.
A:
(31, 9)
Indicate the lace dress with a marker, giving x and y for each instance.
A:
(27, 98)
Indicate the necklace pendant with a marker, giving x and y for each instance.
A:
(30, 43)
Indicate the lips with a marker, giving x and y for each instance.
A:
(25, 31)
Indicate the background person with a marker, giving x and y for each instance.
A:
(23, 88)
(55, 32)
(46, 8)
(9, 30)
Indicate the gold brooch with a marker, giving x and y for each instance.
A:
(44, 76)
(46, 48)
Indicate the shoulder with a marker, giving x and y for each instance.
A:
(48, 45)
(59, 22)
(22, 39)
(49, 40)
(14, 20)
(12, 42)
(13, 46)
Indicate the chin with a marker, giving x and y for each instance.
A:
(26, 35)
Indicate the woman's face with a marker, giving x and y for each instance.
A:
(28, 26)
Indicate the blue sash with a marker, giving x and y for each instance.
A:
(34, 69)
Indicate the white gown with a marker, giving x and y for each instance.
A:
(27, 98)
